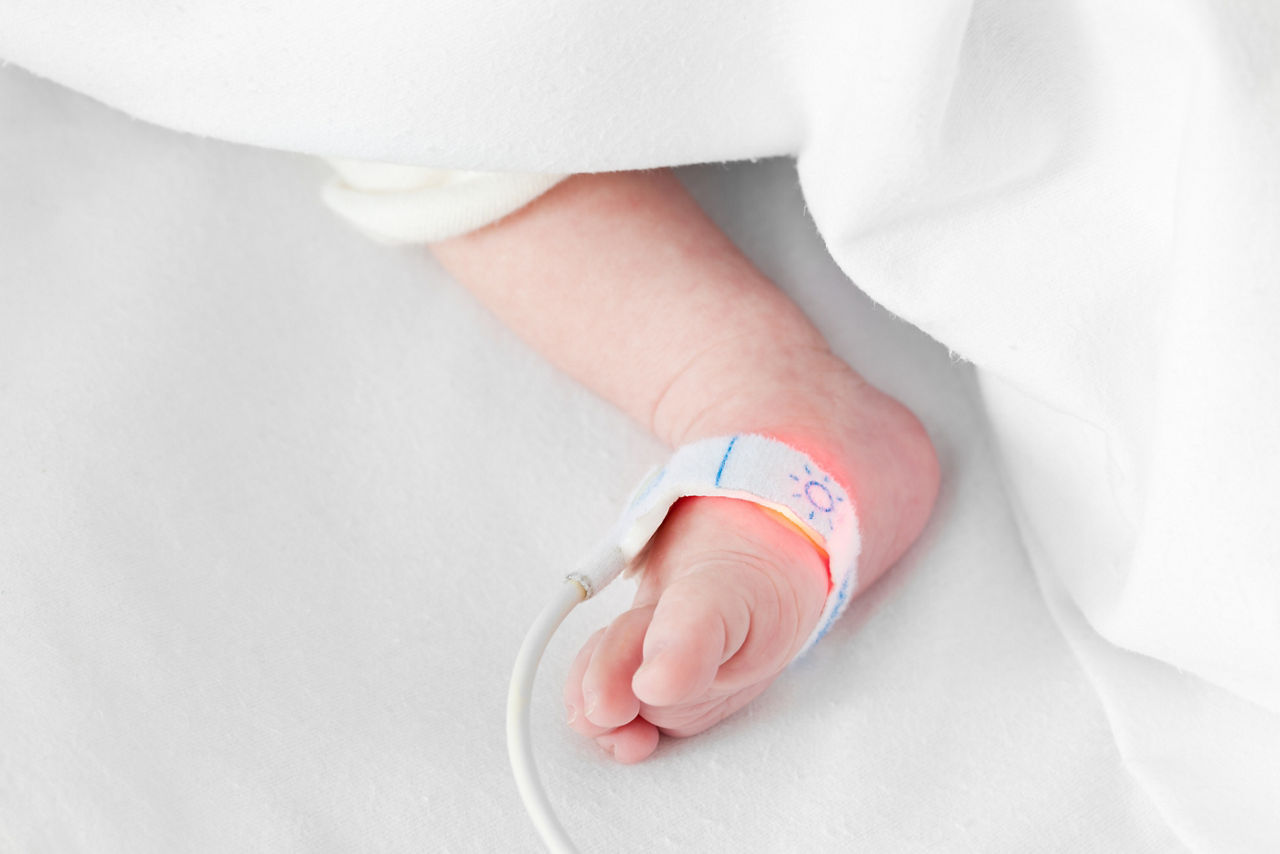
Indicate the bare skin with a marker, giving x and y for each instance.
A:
(621, 281)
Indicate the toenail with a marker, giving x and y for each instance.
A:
(572, 712)
(590, 698)
(609, 745)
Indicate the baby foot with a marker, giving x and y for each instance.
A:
(730, 591)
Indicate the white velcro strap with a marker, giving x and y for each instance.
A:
(752, 468)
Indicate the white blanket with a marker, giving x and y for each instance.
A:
(1079, 198)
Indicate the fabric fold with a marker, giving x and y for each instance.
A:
(1079, 198)
(409, 204)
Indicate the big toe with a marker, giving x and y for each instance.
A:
(698, 623)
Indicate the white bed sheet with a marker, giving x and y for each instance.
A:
(247, 603)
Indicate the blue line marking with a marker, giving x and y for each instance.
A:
(654, 480)
(841, 595)
(725, 459)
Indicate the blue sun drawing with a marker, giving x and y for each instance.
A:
(819, 494)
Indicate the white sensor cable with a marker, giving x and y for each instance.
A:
(748, 467)
(519, 698)
(577, 588)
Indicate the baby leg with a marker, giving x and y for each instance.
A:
(623, 282)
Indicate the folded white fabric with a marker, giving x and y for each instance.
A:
(392, 203)
(751, 468)
(1077, 197)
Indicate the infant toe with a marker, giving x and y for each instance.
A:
(631, 743)
(607, 698)
(688, 639)
(573, 700)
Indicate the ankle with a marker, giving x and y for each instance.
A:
(812, 400)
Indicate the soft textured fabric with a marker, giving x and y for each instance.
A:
(254, 592)
(1077, 197)
(407, 204)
